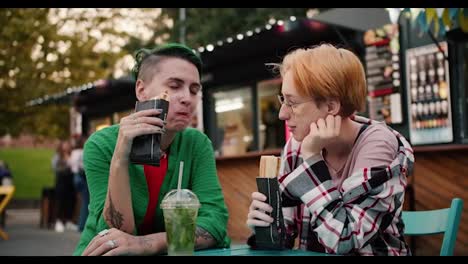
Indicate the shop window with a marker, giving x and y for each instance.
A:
(234, 121)
(270, 127)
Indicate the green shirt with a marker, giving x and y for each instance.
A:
(190, 146)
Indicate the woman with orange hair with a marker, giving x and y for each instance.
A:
(342, 176)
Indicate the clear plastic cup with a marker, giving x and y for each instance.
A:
(180, 209)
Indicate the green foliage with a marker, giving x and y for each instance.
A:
(33, 66)
(34, 62)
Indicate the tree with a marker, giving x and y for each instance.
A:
(18, 74)
(45, 51)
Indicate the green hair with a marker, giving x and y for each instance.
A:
(167, 50)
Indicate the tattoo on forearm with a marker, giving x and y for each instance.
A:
(145, 242)
(202, 233)
(113, 216)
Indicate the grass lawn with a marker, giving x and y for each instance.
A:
(31, 170)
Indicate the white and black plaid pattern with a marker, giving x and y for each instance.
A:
(362, 217)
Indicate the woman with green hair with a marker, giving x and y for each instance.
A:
(125, 217)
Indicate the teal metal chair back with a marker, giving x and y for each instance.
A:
(418, 223)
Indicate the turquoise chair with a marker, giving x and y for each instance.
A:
(418, 223)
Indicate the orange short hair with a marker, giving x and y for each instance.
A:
(325, 71)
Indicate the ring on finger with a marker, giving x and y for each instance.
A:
(112, 243)
(103, 232)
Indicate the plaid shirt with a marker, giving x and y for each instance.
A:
(362, 217)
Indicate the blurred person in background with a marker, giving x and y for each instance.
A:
(64, 189)
(6, 179)
(5, 174)
(79, 179)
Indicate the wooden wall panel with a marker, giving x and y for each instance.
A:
(237, 178)
(440, 176)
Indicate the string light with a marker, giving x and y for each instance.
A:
(281, 25)
(57, 96)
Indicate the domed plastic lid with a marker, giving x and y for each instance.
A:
(183, 198)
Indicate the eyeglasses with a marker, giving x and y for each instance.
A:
(291, 106)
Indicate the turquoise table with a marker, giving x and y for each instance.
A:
(244, 250)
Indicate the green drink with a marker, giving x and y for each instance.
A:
(180, 209)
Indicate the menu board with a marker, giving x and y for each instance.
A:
(428, 85)
(383, 74)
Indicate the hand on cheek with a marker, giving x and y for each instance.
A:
(322, 133)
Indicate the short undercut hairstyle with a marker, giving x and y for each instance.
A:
(146, 59)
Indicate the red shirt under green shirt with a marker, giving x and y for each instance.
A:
(191, 146)
(154, 179)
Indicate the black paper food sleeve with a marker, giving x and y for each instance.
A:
(273, 236)
(146, 148)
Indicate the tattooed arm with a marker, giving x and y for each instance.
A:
(118, 210)
(151, 244)
(203, 239)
